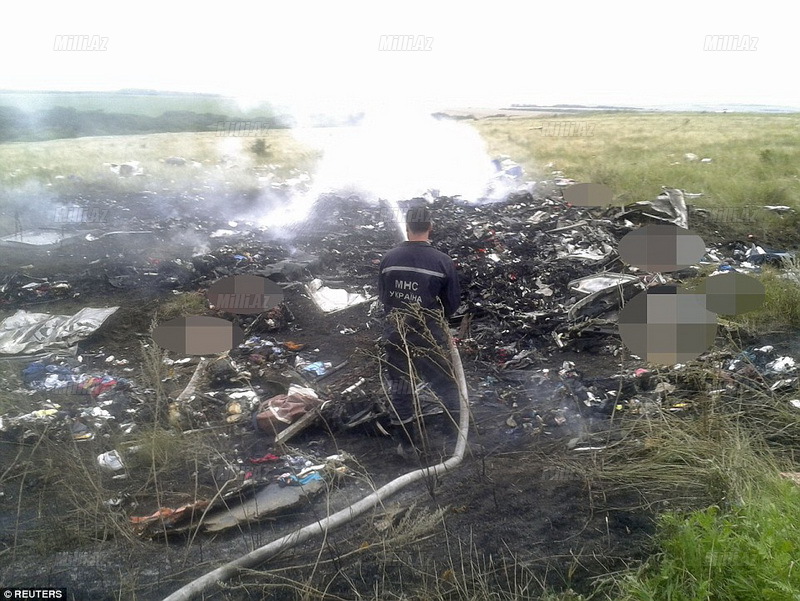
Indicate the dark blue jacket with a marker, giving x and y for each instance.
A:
(415, 272)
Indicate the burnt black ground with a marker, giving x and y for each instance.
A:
(503, 502)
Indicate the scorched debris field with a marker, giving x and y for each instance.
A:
(126, 471)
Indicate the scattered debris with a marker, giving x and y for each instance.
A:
(129, 169)
(25, 333)
(780, 209)
(540, 276)
(110, 460)
(668, 207)
(330, 300)
(167, 519)
(276, 413)
(284, 483)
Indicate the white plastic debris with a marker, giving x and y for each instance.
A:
(39, 414)
(125, 169)
(333, 299)
(99, 412)
(110, 460)
(795, 403)
(538, 217)
(221, 232)
(782, 365)
(25, 333)
(783, 383)
(665, 388)
(596, 283)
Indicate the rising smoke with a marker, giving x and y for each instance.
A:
(392, 155)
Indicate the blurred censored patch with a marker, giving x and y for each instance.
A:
(732, 293)
(245, 294)
(589, 195)
(198, 335)
(661, 248)
(667, 325)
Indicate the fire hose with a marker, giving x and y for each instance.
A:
(343, 516)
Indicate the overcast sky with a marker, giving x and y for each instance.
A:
(481, 53)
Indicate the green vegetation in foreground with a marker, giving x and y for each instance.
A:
(781, 308)
(741, 555)
(728, 530)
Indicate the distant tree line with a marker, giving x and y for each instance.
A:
(17, 125)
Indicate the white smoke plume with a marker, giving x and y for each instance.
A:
(392, 155)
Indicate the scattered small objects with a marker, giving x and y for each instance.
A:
(780, 209)
(111, 460)
(167, 518)
(541, 276)
(268, 458)
(318, 368)
(129, 169)
(276, 413)
(81, 431)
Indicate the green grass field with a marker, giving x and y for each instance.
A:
(755, 158)
(55, 163)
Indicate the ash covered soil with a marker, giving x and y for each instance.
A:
(65, 522)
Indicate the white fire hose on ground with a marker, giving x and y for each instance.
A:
(270, 550)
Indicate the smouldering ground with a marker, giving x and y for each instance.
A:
(555, 518)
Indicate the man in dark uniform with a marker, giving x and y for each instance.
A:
(419, 289)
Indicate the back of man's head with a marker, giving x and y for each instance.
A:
(418, 220)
